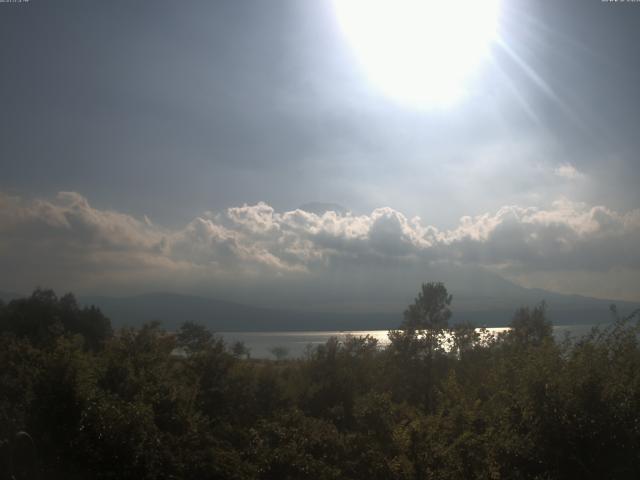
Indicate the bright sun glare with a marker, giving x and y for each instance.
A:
(420, 52)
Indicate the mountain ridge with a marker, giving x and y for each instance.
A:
(492, 304)
(171, 309)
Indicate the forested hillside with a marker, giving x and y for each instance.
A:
(107, 404)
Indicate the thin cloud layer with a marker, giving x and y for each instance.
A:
(568, 171)
(45, 240)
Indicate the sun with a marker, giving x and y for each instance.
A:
(420, 52)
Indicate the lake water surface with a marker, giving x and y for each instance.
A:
(261, 343)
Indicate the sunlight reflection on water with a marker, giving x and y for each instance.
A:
(261, 343)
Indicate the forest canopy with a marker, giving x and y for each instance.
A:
(440, 402)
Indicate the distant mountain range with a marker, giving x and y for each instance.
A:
(492, 305)
(173, 309)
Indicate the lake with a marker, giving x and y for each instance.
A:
(260, 343)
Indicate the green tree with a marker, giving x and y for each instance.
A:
(43, 317)
(531, 327)
(430, 310)
(239, 349)
(194, 337)
(279, 352)
(464, 338)
(417, 349)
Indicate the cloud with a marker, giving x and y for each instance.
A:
(566, 236)
(69, 221)
(45, 240)
(568, 172)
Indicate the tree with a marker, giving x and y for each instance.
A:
(43, 317)
(430, 310)
(417, 346)
(88, 321)
(464, 338)
(194, 337)
(531, 327)
(239, 350)
(279, 352)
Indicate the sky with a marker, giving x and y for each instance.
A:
(170, 145)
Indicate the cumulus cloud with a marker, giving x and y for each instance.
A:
(66, 237)
(45, 241)
(566, 236)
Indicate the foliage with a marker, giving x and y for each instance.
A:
(279, 352)
(530, 327)
(193, 337)
(430, 310)
(438, 403)
(43, 317)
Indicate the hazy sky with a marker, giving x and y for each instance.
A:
(161, 120)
